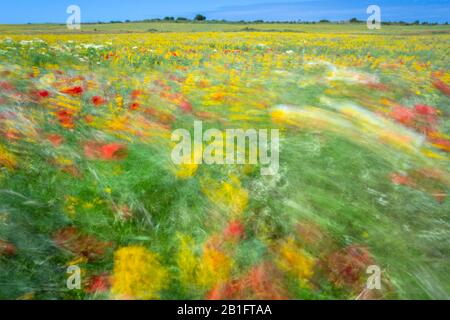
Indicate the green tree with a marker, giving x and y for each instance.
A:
(200, 17)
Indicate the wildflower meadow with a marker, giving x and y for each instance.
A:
(92, 205)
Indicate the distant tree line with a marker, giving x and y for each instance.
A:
(202, 18)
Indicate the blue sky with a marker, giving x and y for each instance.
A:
(34, 11)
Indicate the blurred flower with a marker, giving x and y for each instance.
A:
(214, 267)
(234, 231)
(55, 139)
(65, 118)
(98, 101)
(108, 151)
(347, 267)
(73, 91)
(99, 284)
(82, 245)
(403, 115)
(296, 262)
(262, 282)
(138, 274)
(7, 249)
(44, 93)
(7, 159)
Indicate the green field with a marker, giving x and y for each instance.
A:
(225, 27)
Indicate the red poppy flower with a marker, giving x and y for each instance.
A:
(403, 115)
(65, 118)
(425, 110)
(55, 139)
(186, 106)
(99, 284)
(348, 266)
(234, 231)
(74, 91)
(99, 151)
(260, 283)
(441, 143)
(442, 87)
(135, 94)
(134, 106)
(112, 151)
(12, 135)
(6, 86)
(43, 93)
(98, 101)
(400, 179)
(7, 249)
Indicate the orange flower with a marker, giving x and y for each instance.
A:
(55, 139)
(73, 91)
(110, 151)
(98, 101)
(135, 94)
(134, 106)
(65, 118)
(262, 282)
(402, 180)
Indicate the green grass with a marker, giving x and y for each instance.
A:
(217, 27)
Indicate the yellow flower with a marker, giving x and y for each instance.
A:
(138, 274)
(70, 206)
(186, 171)
(215, 267)
(187, 261)
(88, 205)
(229, 194)
(296, 261)
(7, 159)
(188, 168)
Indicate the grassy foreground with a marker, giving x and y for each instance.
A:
(86, 177)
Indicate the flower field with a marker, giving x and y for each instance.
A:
(86, 176)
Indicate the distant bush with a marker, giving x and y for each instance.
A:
(200, 17)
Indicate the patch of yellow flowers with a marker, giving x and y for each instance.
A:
(205, 271)
(138, 274)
